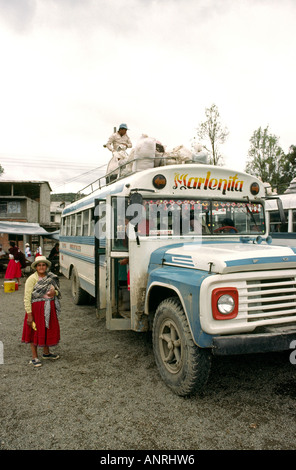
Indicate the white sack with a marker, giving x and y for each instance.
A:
(178, 155)
(144, 153)
(127, 168)
(118, 159)
(200, 155)
(182, 154)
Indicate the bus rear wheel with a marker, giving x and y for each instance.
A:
(183, 366)
(79, 295)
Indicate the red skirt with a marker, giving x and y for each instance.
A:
(43, 336)
(13, 270)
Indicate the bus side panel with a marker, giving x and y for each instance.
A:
(74, 254)
(139, 258)
(102, 283)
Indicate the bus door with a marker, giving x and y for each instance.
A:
(117, 266)
(100, 256)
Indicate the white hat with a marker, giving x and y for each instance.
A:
(41, 259)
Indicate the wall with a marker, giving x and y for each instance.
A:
(44, 204)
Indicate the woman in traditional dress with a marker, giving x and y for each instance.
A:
(41, 324)
(13, 270)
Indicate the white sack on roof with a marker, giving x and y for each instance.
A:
(179, 155)
(182, 154)
(118, 159)
(127, 168)
(144, 153)
(200, 155)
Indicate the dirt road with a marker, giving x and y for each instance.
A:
(105, 393)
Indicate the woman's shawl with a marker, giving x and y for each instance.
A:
(41, 288)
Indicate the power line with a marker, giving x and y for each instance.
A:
(45, 164)
(50, 164)
(75, 178)
(31, 157)
(42, 161)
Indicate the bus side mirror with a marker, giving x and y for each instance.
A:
(281, 211)
(280, 208)
(136, 198)
(134, 210)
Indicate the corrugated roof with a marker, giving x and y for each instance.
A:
(25, 181)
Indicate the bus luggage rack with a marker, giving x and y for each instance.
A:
(124, 170)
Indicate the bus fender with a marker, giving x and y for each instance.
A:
(168, 290)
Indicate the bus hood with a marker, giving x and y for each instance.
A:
(228, 257)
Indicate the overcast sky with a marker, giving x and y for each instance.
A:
(71, 70)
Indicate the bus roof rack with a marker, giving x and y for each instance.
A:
(122, 171)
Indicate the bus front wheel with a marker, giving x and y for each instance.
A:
(79, 295)
(183, 366)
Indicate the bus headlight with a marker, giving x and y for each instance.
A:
(224, 303)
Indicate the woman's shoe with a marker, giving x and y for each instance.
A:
(36, 362)
(53, 357)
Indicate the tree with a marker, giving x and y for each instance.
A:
(212, 132)
(287, 169)
(1, 170)
(265, 157)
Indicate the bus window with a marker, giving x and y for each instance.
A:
(173, 217)
(119, 239)
(68, 228)
(275, 222)
(92, 222)
(78, 225)
(63, 227)
(294, 221)
(237, 217)
(196, 217)
(72, 225)
(85, 223)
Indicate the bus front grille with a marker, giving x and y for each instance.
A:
(270, 300)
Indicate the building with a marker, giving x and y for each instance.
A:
(56, 209)
(24, 201)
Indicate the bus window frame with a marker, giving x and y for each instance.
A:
(209, 217)
(116, 245)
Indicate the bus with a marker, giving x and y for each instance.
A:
(183, 251)
(283, 231)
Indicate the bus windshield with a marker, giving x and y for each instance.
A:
(200, 217)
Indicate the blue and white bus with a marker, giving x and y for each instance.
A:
(283, 232)
(183, 251)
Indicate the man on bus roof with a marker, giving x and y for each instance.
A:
(119, 140)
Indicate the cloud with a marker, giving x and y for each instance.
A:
(18, 14)
(74, 69)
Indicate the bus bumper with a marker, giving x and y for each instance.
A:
(267, 341)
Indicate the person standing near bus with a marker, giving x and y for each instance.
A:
(38, 252)
(42, 308)
(14, 270)
(28, 253)
(54, 258)
(119, 140)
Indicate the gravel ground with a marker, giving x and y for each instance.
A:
(105, 393)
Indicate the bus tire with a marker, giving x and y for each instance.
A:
(79, 295)
(183, 366)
